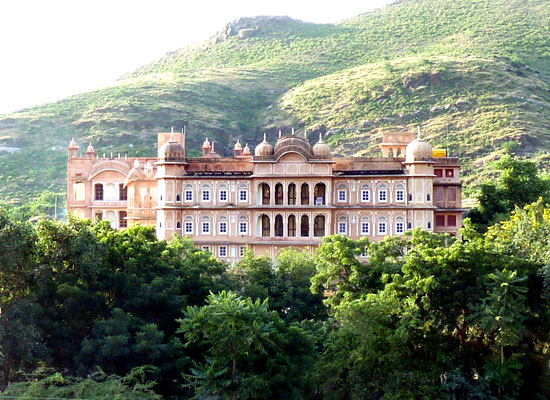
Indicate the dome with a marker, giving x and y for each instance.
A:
(238, 146)
(72, 144)
(418, 150)
(293, 143)
(264, 148)
(206, 144)
(90, 149)
(246, 151)
(321, 148)
(135, 174)
(172, 151)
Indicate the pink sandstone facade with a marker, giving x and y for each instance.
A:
(290, 194)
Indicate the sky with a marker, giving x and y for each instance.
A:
(51, 49)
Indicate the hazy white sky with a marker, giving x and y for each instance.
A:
(50, 49)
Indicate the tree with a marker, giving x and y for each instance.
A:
(231, 327)
(248, 352)
(518, 184)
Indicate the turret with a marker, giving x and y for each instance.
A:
(72, 149)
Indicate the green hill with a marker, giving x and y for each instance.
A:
(474, 73)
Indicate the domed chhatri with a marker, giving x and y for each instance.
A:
(72, 144)
(293, 143)
(418, 150)
(321, 148)
(172, 151)
(246, 151)
(90, 149)
(206, 144)
(264, 148)
(238, 146)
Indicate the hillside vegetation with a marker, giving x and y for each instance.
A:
(474, 73)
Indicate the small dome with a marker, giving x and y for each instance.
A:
(238, 146)
(321, 148)
(293, 143)
(206, 144)
(246, 151)
(73, 145)
(264, 148)
(172, 151)
(90, 149)
(418, 150)
(135, 174)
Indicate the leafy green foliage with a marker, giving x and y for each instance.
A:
(518, 185)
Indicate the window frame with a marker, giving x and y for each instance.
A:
(203, 225)
(224, 248)
(363, 230)
(226, 193)
(225, 230)
(241, 191)
(385, 192)
(186, 226)
(245, 223)
(190, 193)
(340, 225)
(363, 192)
(382, 224)
(345, 197)
(207, 193)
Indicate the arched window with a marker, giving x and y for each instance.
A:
(188, 227)
(278, 194)
(365, 226)
(265, 225)
(399, 225)
(279, 225)
(205, 225)
(291, 226)
(342, 193)
(188, 193)
(383, 193)
(342, 225)
(98, 191)
(223, 193)
(304, 194)
(382, 226)
(243, 225)
(79, 191)
(123, 192)
(292, 194)
(319, 226)
(319, 194)
(304, 226)
(205, 190)
(223, 228)
(122, 222)
(264, 193)
(400, 193)
(365, 193)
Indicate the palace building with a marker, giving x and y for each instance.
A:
(289, 194)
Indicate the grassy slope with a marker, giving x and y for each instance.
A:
(475, 73)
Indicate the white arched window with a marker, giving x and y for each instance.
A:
(223, 193)
(365, 193)
(342, 193)
(382, 226)
(205, 225)
(243, 193)
(342, 225)
(188, 193)
(223, 227)
(399, 225)
(205, 193)
(79, 191)
(400, 193)
(243, 225)
(188, 225)
(382, 193)
(365, 226)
